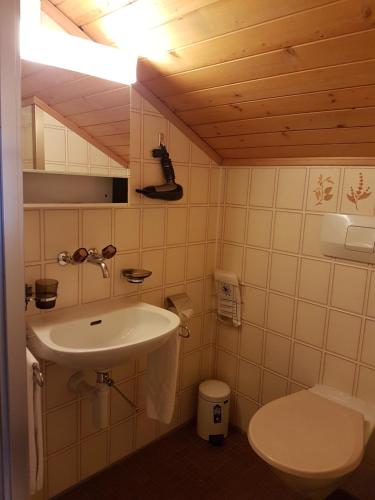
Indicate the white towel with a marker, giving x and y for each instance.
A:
(161, 379)
(34, 410)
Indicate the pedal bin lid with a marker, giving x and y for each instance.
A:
(214, 390)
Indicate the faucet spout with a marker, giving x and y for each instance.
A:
(98, 260)
(104, 268)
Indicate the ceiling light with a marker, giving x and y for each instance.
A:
(44, 45)
(134, 25)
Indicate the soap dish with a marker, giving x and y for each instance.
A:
(135, 275)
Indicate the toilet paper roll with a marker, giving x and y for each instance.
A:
(180, 304)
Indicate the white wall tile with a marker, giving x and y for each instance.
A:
(262, 187)
(232, 259)
(121, 440)
(256, 267)
(254, 305)
(237, 186)
(93, 454)
(175, 265)
(343, 334)
(339, 373)
(97, 228)
(127, 229)
(153, 225)
(195, 261)
(251, 343)
(234, 225)
(176, 225)
(366, 384)
(283, 273)
(226, 368)
(306, 364)
(259, 228)
(60, 232)
(197, 224)
(66, 421)
(311, 236)
(291, 188)
(179, 145)
(277, 353)
(244, 410)
(274, 387)
(62, 471)
(310, 323)
(287, 231)
(280, 314)
(314, 280)
(368, 347)
(348, 290)
(199, 185)
(249, 380)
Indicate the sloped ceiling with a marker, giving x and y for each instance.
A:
(259, 79)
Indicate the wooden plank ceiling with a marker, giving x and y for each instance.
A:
(254, 79)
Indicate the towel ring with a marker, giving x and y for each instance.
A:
(38, 375)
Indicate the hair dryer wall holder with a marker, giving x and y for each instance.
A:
(170, 191)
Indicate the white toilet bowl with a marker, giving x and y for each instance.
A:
(313, 438)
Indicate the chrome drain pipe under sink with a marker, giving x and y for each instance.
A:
(98, 395)
(104, 378)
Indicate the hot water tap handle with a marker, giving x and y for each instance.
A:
(109, 251)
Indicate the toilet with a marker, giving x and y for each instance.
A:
(313, 438)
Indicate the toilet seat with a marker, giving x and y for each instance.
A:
(308, 436)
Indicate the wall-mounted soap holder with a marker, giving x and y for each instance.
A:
(135, 275)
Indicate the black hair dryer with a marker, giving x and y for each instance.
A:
(169, 191)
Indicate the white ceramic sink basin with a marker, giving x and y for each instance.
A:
(100, 336)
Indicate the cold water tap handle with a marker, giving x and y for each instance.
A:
(109, 251)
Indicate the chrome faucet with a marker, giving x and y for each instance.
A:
(98, 259)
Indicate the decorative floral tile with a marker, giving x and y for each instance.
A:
(358, 195)
(323, 189)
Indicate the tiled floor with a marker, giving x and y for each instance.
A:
(182, 466)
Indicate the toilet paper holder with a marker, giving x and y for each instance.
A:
(181, 305)
(184, 332)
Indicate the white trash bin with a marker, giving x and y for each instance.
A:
(213, 411)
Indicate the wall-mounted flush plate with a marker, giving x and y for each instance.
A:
(350, 237)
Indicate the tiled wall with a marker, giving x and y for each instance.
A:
(177, 242)
(307, 318)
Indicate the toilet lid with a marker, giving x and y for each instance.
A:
(308, 436)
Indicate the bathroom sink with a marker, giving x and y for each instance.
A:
(100, 336)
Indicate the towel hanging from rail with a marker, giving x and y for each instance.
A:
(38, 375)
